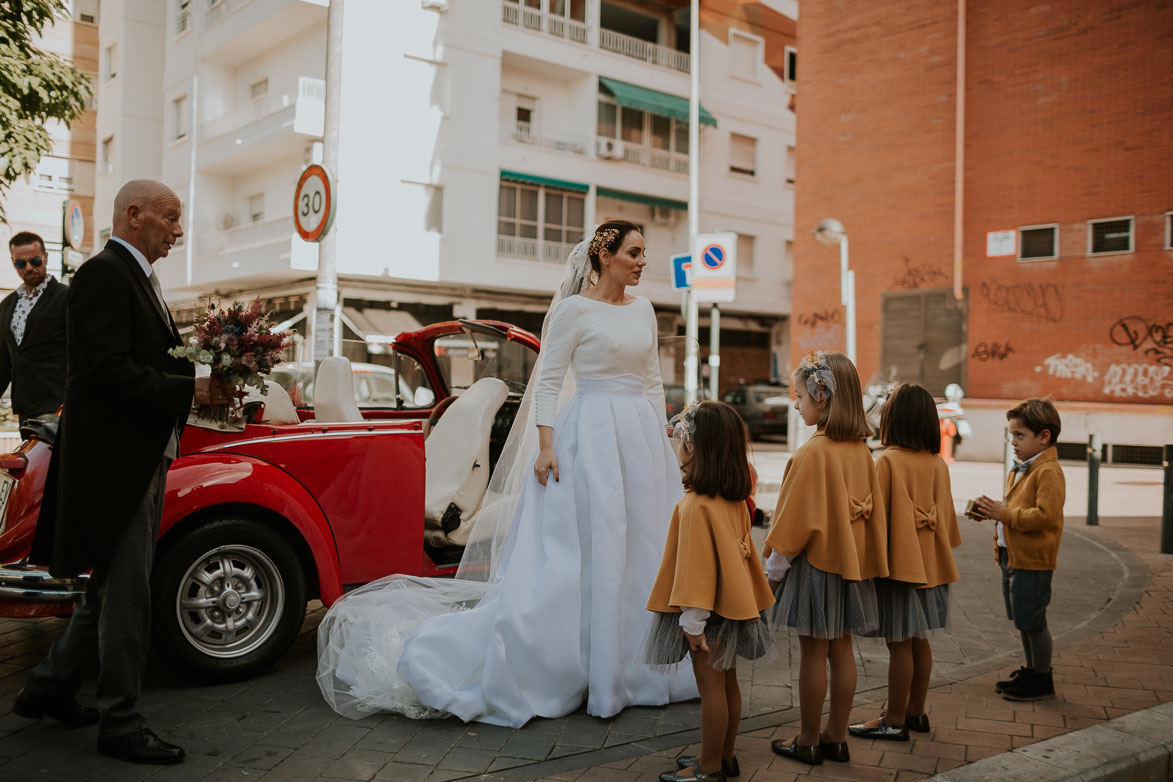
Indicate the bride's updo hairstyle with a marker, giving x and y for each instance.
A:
(608, 236)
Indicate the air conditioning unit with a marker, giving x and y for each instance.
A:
(609, 148)
(662, 215)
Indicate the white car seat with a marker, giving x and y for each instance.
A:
(279, 407)
(457, 453)
(334, 393)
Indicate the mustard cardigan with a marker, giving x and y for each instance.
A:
(1033, 521)
(830, 509)
(922, 523)
(710, 561)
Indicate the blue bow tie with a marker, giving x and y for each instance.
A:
(1021, 467)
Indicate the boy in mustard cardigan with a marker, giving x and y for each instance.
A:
(1028, 528)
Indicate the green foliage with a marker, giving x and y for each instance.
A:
(35, 87)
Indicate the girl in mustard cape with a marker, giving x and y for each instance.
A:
(830, 524)
(922, 533)
(710, 592)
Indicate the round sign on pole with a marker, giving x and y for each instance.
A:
(75, 225)
(313, 203)
(713, 256)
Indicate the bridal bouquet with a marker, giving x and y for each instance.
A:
(240, 346)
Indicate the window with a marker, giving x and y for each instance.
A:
(256, 207)
(608, 119)
(921, 330)
(1169, 230)
(742, 154)
(111, 61)
(258, 89)
(517, 211)
(745, 52)
(791, 65)
(562, 221)
(789, 258)
(1038, 242)
(180, 117)
(631, 126)
(790, 164)
(521, 209)
(526, 114)
(745, 245)
(1112, 235)
(572, 9)
(106, 160)
(182, 16)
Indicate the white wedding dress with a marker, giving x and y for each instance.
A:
(563, 617)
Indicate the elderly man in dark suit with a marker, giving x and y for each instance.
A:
(124, 392)
(32, 332)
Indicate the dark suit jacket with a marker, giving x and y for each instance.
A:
(35, 367)
(123, 397)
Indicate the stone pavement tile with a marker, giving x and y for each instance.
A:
(403, 772)
(425, 749)
(260, 756)
(466, 759)
(543, 725)
(772, 775)
(291, 739)
(974, 752)
(443, 775)
(849, 771)
(334, 741)
(490, 737)
(301, 765)
(938, 749)
(1004, 726)
(532, 746)
(357, 764)
(910, 762)
(504, 761)
(614, 738)
(193, 767)
(603, 774)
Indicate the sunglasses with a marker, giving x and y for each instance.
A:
(21, 264)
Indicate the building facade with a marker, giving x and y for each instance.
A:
(67, 172)
(1007, 203)
(478, 141)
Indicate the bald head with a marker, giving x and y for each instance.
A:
(147, 215)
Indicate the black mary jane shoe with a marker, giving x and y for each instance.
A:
(729, 765)
(811, 754)
(691, 774)
(63, 708)
(836, 751)
(919, 723)
(882, 731)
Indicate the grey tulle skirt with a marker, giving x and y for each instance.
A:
(665, 645)
(818, 604)
(907, 612)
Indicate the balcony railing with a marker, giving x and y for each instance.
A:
(676, 162)
(253, 234)
(524, 133)
(218, 9)
(639, 49)
(514, 13)
(533, 249)
(270, 103)
(183, 21)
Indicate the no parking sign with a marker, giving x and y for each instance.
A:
(714, 277)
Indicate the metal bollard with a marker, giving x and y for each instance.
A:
(1167, 515)
(1094, 455)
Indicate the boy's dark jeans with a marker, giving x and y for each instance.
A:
(1027, 594)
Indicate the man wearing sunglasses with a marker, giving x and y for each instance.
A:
(32, 332)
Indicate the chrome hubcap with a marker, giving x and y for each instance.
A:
(230, 601)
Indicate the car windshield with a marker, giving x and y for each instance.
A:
(463, 359)
(374, 384)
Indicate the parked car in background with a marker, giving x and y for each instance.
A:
(763, 406)
(674, 398)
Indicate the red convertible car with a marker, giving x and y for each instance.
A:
(305, 502)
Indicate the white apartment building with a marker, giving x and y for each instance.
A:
(479, 139)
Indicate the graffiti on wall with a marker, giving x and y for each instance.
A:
(1032, 300)
(820, 330)
(1151, 339)
(914, 277)
(1069, 367)
(992, 351)
(1123, 381)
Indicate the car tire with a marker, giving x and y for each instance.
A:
(217, 577)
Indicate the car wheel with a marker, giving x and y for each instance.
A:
(228, 600)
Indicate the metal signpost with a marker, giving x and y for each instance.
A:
(694, 192)
(73, 235)
(313, 213)
(714, 281)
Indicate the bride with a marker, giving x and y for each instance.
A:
(548, 605)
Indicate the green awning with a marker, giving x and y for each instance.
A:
(653, 101)
(640, 198)
(534, 179)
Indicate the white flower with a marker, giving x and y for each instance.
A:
(206, 357)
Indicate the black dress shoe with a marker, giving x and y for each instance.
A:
(811, 754)
(882, 731)
(1016, 676)
(729, 765)
(140, 746)
(1033, 687)
(689, 773)
(919, 723)
(835, 750)
(63, 708)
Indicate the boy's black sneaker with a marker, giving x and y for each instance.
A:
(1034, 686)
(1015, 678)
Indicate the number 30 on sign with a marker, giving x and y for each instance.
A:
(313, 203)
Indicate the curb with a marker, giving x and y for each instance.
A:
(1137, 747)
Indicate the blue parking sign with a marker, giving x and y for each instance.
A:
(681, 272)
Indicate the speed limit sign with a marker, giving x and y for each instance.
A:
(313, 203)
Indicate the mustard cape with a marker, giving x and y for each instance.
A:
(922, 524)
(830, 509)
(710, 561)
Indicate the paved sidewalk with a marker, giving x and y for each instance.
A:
(277, 727)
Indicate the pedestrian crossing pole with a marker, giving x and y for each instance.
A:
(691, 345)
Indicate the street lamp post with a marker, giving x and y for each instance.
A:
(831, 232)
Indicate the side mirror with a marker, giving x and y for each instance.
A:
(423, 397)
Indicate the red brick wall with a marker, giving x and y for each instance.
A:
(1068, 111)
